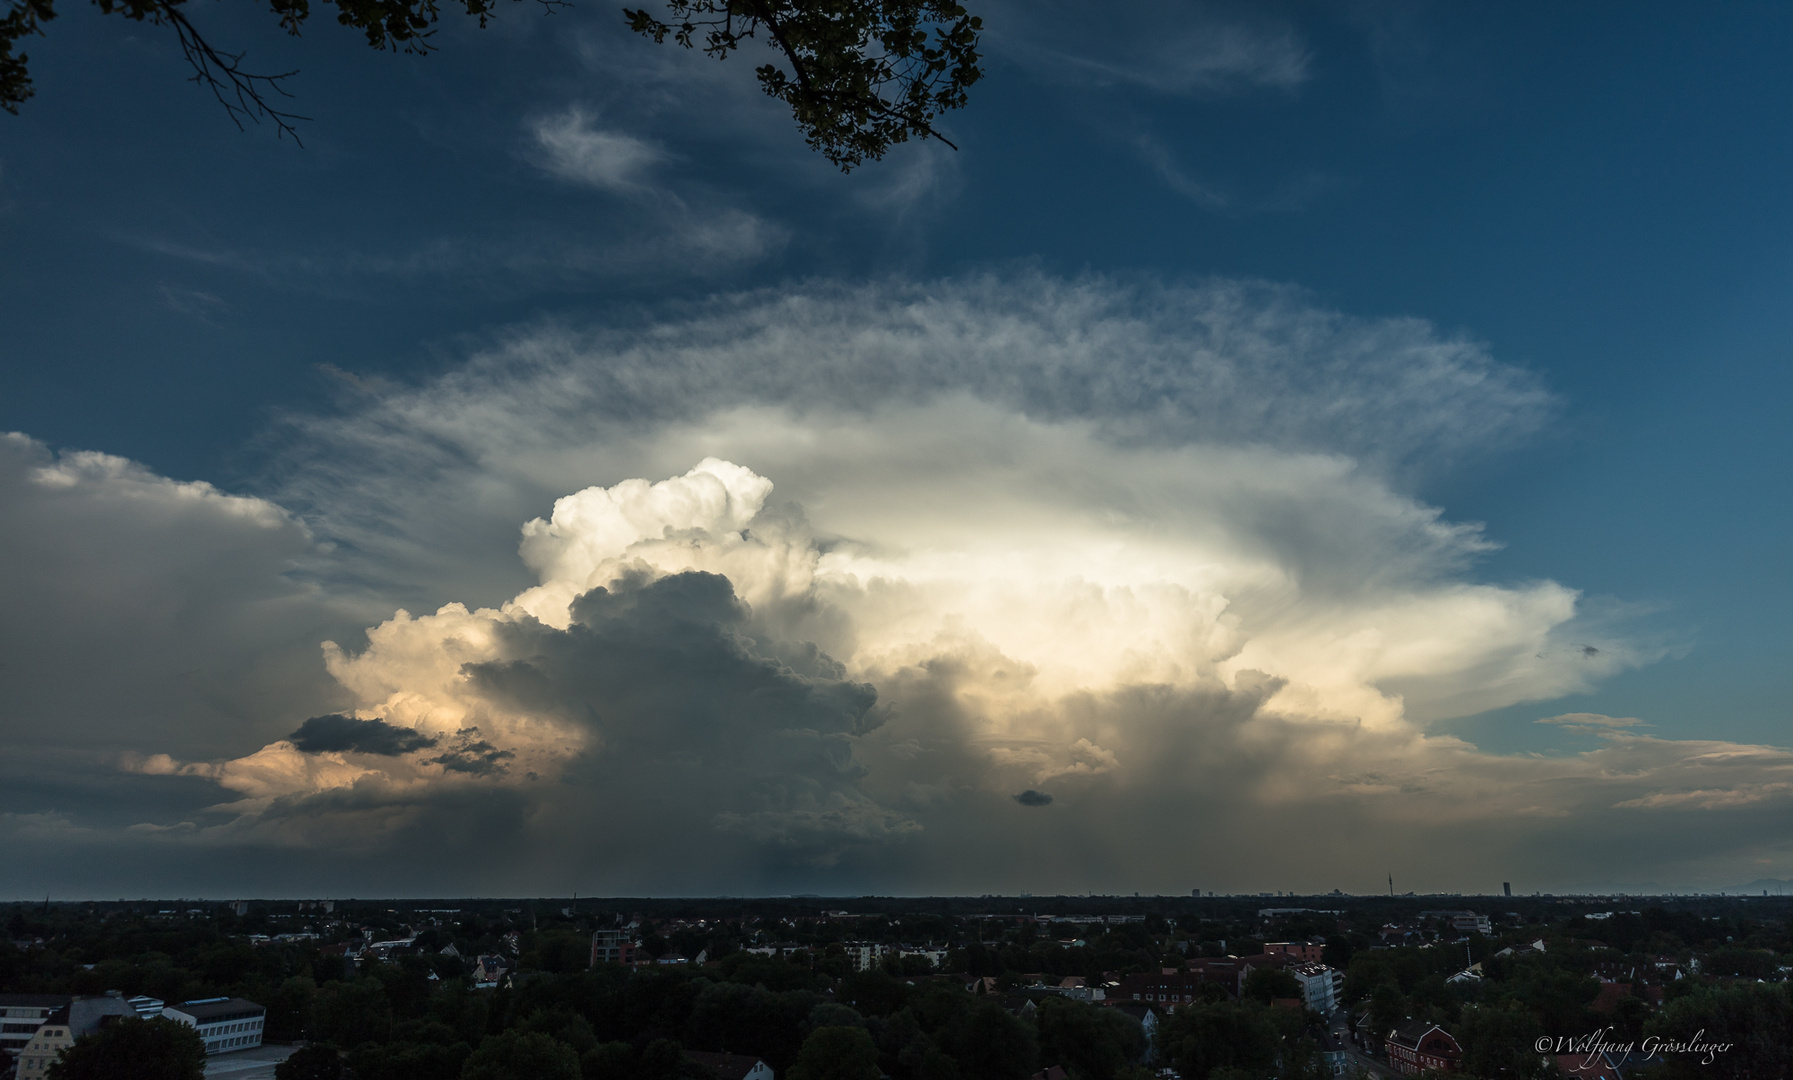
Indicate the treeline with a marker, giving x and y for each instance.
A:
(1529, 996)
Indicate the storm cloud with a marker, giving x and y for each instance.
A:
(340, 733)
(799, 590)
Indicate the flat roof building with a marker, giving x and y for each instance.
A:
(224, 1023)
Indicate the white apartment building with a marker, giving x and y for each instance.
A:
(1317, 987)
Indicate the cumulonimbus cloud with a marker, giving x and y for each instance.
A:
(810, 583)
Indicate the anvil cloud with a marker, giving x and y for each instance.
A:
(981, 584)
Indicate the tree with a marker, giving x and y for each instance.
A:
(837, 1053)
(516, 1056)
(1091, 1043)
(397, 25)
(351, 1013)
(407, 1061)
(134, 1049)
(863, 75)
(319, 1061)
(1755, 1019)
(989, 1043)
(1267, 983)
(1200, 1039)
(1500, 1040)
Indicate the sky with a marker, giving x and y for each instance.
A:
(1284, 446)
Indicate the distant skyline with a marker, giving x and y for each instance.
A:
(1287, 443)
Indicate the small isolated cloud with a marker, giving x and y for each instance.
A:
(574, 149)
(193, 303)
(1588, 721)
(1030, 797)
(344, 734)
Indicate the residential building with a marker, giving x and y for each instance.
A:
(1308, 952)
(1075, 987)
(1365, 1033)
(867, 955)
(611, 947)
(1468, 922)
(22, 1014)
(81, 1016)
(1226, 972)
(731, 1066)
(1415, 1046)
(225, 1023)
(936, 956)
(1148, 1021)
(1165, 990)
(1316, 987)
(1464, 922)
(45, 1046)
(1333, 1060)
(488, 970)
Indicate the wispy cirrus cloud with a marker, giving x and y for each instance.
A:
(1180, 50)
(574, 149)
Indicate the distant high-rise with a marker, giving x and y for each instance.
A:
(1506, 887)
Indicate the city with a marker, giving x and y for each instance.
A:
(991, 988)
(896, 540)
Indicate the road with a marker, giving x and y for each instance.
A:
(256, 1063)
(1360, 1060)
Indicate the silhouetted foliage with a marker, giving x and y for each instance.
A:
(859, 76)
(863, 75)
(514, 1055)
(133, 1049)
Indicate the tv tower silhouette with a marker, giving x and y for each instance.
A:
(1391, 884)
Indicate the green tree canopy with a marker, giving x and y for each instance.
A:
(134, 1049)
(1092, 1044)
(837, 1053)
(1754, 1019)
(517, 1056)
(1201, 1039)
(1267, 983)
(318, 1061)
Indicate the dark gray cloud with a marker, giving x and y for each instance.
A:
(1030, 797)
(145, 614)
(679, 695)
(341, 734)
(473, 755)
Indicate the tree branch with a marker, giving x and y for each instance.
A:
(240, 92)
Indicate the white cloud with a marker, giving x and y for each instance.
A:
(142, 612)
(811, 583)
(574, 149)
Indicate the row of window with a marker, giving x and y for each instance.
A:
(231, 1043)
(211, 1030)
